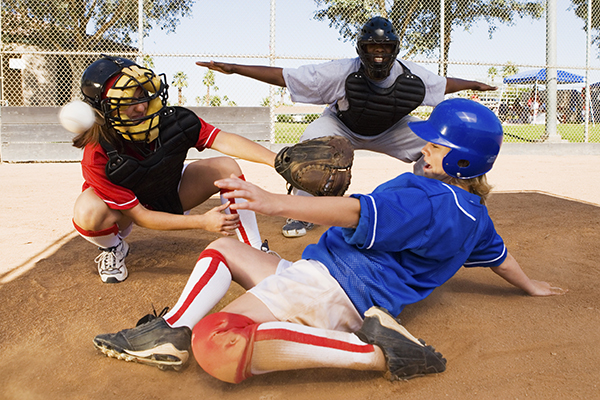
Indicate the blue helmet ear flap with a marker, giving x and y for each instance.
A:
(471, 131)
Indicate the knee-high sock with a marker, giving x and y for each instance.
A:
(207, 284)
(248, 230)
(231, 347)
(104, 238)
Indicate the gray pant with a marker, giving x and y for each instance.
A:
(398, 141)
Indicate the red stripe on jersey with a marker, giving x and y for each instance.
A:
(303, 338)
(217, 258)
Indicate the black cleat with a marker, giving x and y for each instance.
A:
(406, 356)
(152, 342)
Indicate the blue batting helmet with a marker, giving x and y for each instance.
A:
(471, 131)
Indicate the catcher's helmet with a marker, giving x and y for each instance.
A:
(471, 131)
(109, 85)
(377, 30)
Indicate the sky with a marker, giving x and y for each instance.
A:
(241, 28)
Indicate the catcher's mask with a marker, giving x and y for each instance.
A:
(377, 30)
(109, 85)
(471, 131)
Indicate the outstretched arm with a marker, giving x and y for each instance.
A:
(328, 210)
(238, 146)
(272, 75)
(511, 271)
(214, 220)
(456, 85)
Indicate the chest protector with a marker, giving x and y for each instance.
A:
(372, 109)
(155, 179)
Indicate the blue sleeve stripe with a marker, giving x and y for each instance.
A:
(374, 221)
(489, 261)
(458, 205)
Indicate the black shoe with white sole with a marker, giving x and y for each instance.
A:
(406, 356)
(153, 343)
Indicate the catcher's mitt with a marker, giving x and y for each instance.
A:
(318, 166)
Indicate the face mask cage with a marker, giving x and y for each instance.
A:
(122, 94)
(377, 70)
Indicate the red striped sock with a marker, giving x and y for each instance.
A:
(207, 284)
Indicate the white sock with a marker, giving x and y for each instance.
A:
(207, 284)
(248, 230)
(104, 238)
(282, 346)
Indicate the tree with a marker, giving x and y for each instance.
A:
(509, 69)
(418, 22)
(55, 25)
(581, 8)
(180, 81)
(148, 62)
(492, 73)
(281, 91)
(209, 81)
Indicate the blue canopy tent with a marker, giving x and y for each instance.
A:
(539, 76)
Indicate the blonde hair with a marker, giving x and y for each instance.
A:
(478, 185)
(98, 132)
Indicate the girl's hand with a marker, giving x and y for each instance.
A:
(542, 288)
(258, 200)
(215, 220)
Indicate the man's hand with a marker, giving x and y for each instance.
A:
(456, 84)
(224, 68)
(271, 75)
(484, 87)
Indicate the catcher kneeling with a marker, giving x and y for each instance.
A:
(336, 306)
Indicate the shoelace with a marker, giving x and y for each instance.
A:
(149, 317)
(265, 248)
(107, 260)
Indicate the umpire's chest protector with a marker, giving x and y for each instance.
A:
(155, 179)
(372, 109)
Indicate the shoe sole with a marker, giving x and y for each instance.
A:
(386, 320)
(161, 356)
(294, 233)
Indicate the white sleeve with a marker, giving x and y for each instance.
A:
(435, 85)
(319, 83)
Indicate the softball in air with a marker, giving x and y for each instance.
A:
(77, 116)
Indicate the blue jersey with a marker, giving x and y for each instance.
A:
(414, 233)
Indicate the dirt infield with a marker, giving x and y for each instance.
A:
(499, 343)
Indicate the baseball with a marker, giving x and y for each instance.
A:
(77, 116)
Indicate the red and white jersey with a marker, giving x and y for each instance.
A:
(117, 197)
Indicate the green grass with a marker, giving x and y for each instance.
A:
(517, 133)
(289, 132)
(574, 133)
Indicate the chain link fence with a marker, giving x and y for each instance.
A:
(46, 45)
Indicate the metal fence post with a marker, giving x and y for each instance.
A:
(588, 97)
(272, 64)
(551, 76)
